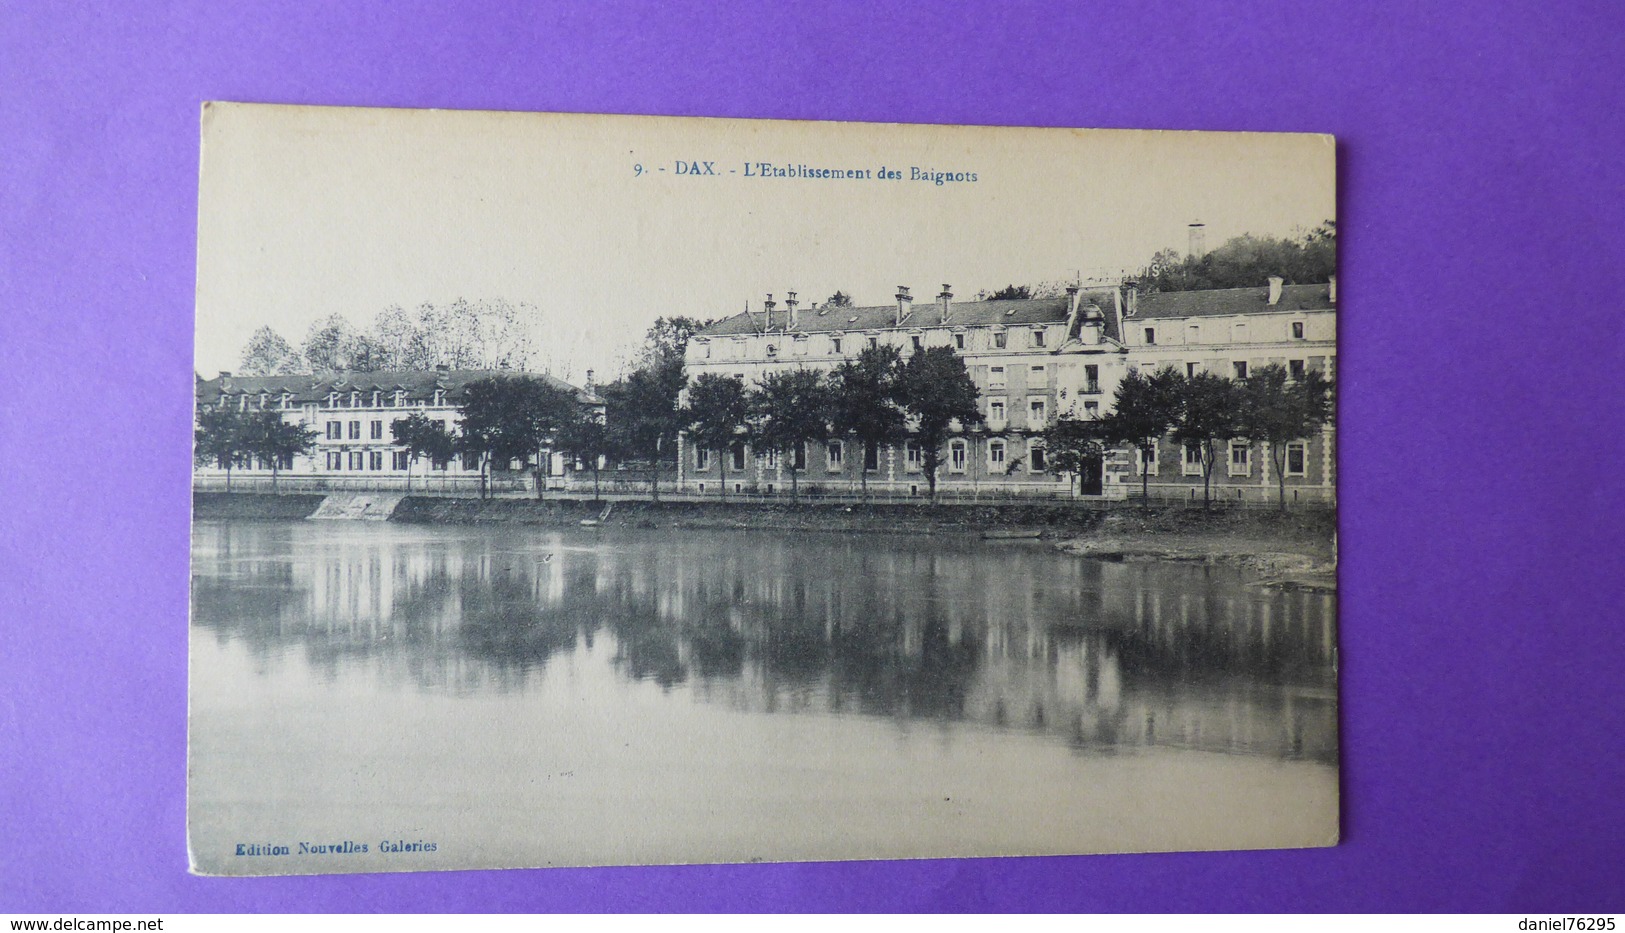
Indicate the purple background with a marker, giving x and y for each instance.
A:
(1481, 366)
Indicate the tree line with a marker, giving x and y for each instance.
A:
(1203, 412)
(484, 334)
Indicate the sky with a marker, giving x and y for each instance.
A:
(309, 211)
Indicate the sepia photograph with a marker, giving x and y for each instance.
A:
(580, 490)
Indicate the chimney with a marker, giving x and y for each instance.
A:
(790, 303)
(588, 386)
(944, 298)
(904, 304)
(1198, 236)
(225, 374)
(442, 367)
(1275, 289)
(768, 307)
(1131, 291)
(1331, 289)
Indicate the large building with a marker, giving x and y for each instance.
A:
(1033, 360)
(352, 415)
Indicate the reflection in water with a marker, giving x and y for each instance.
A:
(1100, 656)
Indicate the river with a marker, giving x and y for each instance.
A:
(490, 696)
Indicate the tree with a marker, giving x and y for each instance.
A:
(864, 395)
(1247, 261)
(838, 300)
(511, 418)
(1007, 293)
(1209, 415)
(328, 343)
(1277, 409)
(219, 439)
(423, 436)
(266, 436)
(1143, 410)
(643, 414)
(667, 340)
(1072, 443)
(268, 354)
(935, 390)
(587, 438)
(789, 409)
(718, 410)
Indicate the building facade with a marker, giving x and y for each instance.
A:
(353, 415)
(1033, 361)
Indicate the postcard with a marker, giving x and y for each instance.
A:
(610, 490)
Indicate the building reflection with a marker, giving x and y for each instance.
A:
(1101, 656)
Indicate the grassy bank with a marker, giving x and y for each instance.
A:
(241, 505)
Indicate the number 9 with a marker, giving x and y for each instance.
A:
(637, 170)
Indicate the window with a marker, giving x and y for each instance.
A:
(375, 460)
(1190, 370)
(915, 340)
(401, 460)
(439, 397)
(471, 461)
(1038, 338)
(355, 430)
(770, 459)
(995, 377)
(355, 398)
(332, 400)
(355, 460)
(1148, 460)
(1037, 457)
(1238, 333)
(1240, 368)
(335, 430)
(1000, 340)
(702, 459)
(798, 457)
(705, 351)
(335, 460)
(377, 399)
(835, 456)
(1091, 410)
(1151, 336)
(1294, 368)
(874, 342)
(956, 456)
(377, 430)
(1297, 330)
(1037, 376)
(995, 454)
(1240, 459)
(1036, 412)
(995, 409)
(1193, 459)
(835, 345)
(1193, 333)
(871, 458)
(1297, 456)
(959, 341)
(737, 454)
(437, 464)
(1091, 378)
(913, 456)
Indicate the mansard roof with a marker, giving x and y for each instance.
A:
(1222, 301)
(420, 383)
(925, 313)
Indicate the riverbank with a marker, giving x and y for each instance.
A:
(1289, 549)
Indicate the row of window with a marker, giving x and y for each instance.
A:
(1238, 332)
(1239, 461)
(798, 344)
(375, 430)
(373, 460)
(1000, 454)
(998, 457)
(1238, 368)
(285, 402)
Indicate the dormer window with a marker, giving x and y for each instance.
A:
(377, 399)
(332, 400)
(1038, 337)
(959, 341)
(355, 399)
(1000, 340)
(439, 397)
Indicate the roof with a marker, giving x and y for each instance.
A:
(884, 317)
(314, 387)
(1222, 301)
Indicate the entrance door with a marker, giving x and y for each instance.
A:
(1091, 480)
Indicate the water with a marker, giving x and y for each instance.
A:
(523, 697)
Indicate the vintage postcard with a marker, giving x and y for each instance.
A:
(606, 490)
